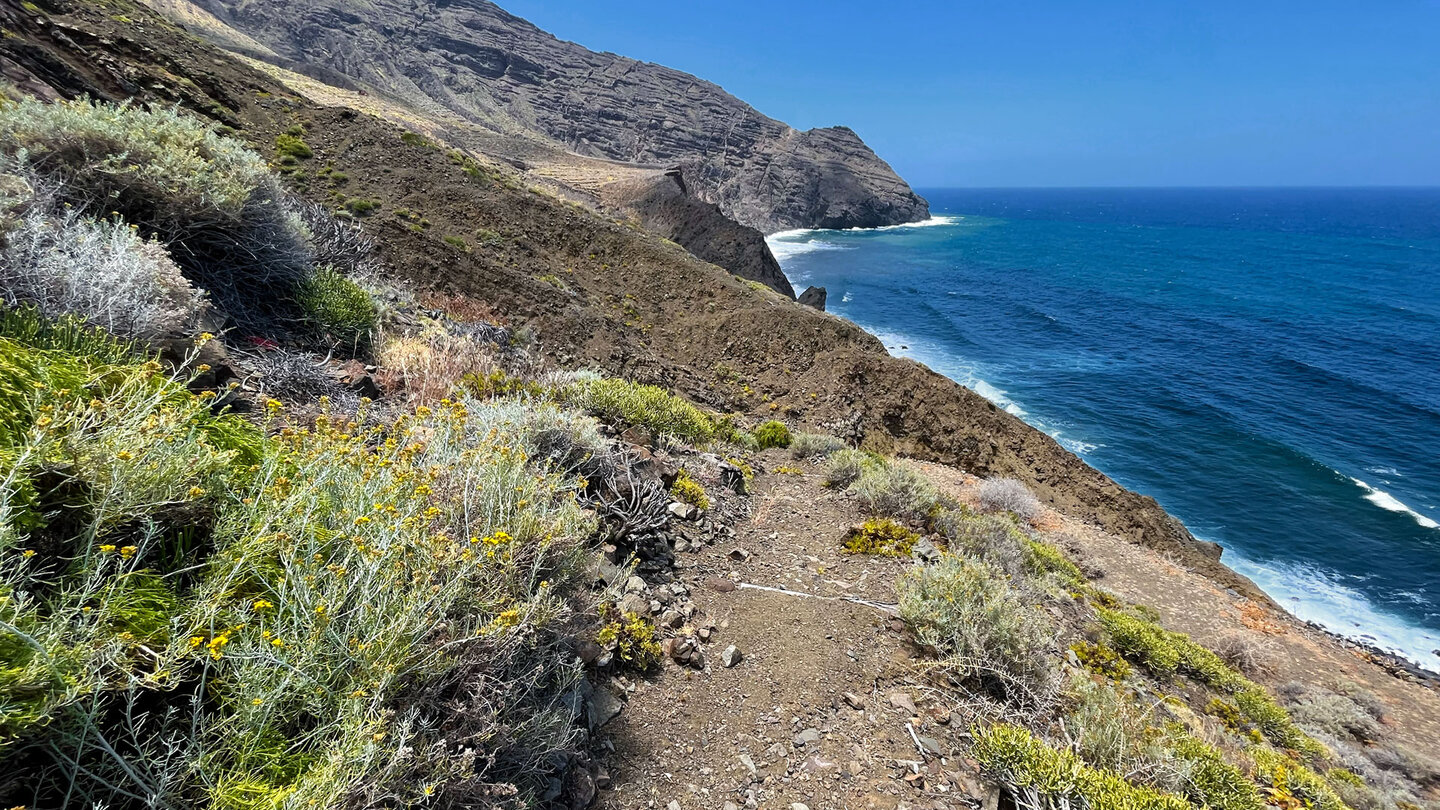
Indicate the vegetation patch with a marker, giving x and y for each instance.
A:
(980, 626)
(881, 536)
(209, 199)
(289, 144)
(811, 446)
(362, 207)
(1042, 777)
(1008, 495)
(629, 638)
(1101, 660)
(772, 434)
(688, 490)
(338, 307)
(896, 489)
(646, 406)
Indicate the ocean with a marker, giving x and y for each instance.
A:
(1264, 362)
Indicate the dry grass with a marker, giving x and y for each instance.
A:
(429, 366)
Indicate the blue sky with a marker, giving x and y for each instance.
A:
(1099, 93)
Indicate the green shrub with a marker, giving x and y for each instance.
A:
(292, 145)
(485, 237)
(429, 561)
(1273, 721)
(498, 383)
(629, 637)
(457, 242)
(1165, 653)
(881, 536)
(1043, 778)
(1213, 782)
(1043, 558)
(979, 625)
(109, 475)
(688, 490)
(207, 198)
(68, 334)
(1227, 713)
(1291, 784)
(416, 139)
(632, 404)
(362, 207)
(338, 307)
(772, 434)
(1101, 660)
(1114, 731)
(896, 489)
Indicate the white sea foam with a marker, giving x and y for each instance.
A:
(789, 249)
(1322, 597)
(927, 223)
(847, 298)
(1389, 502)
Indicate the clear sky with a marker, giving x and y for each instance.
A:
(1098, 93)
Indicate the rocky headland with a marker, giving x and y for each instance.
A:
(494, 69)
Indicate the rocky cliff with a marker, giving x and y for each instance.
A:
(664, 206)
(472, 58)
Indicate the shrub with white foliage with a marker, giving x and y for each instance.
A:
(63, 263)
(1008, 495)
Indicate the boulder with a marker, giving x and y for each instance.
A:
(813, 297)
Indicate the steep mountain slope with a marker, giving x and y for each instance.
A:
(472, 58)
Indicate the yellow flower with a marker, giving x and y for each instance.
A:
(320, 610)
(273, 405)
(196, 492)
(262, 604)
(107, 549)
(277, 643)
(28, 553)
(128, 551)
(124, 455)
(196, 641)
(203, 338)
(257, 702)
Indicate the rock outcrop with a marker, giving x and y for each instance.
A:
(814, 297)
(663, 207)
(472, 58)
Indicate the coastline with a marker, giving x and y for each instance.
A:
(1363, 641)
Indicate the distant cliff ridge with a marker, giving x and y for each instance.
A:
(501, 72)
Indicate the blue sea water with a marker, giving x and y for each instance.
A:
(1265, 363)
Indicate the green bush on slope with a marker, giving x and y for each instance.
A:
(645, 406)
(337, 307)
(295, 612)
(1043, 778)
(980, 626)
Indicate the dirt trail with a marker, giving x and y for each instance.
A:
(692, 737)
(819, 710)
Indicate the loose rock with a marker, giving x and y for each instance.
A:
(731, 656)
